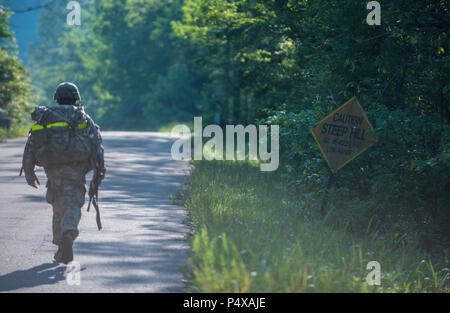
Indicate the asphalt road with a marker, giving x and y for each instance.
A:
(142, 246)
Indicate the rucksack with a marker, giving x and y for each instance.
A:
(60, 135)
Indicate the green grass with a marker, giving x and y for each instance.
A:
(168, 128)
(252, 234)
(14, 132)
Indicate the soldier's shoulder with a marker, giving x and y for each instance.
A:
(91, 121)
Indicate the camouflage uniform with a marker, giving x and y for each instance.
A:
(66, 186)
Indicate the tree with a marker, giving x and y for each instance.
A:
(125, 59)
(15, 93)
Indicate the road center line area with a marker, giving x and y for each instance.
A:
(142, 246)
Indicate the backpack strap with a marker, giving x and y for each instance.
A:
(63, 118)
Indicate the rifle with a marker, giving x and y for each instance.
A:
(93, 198)
(99, 174)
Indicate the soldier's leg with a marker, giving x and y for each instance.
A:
(58, 214)
(55, 198)
(74, 197)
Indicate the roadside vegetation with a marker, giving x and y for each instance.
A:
(15, 89)
(168, 127)
(141, 65)
(254, 233)
(15, 131)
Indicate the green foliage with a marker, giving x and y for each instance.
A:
(268, 54)
(168, 127)
(400, 183)
(146, 64)
(293, 62)
(60, 54)
(17, 130)
(14, 84)
(172, 94)
(132, 72)
(251, 233)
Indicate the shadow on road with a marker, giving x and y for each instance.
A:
(137, 177)
(44, 274)
(147, 261)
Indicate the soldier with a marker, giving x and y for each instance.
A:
(65, 169)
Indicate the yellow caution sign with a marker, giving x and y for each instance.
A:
(344, 134)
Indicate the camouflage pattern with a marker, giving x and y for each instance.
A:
(66, 190)
(66, 185)
(57, 145)
(67, 92)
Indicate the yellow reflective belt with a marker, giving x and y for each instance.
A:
(81, 126)
(57, 124)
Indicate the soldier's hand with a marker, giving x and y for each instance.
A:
(92, 188)
(32, 181)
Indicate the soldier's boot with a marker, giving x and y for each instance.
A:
(58, 255)
(67, 247)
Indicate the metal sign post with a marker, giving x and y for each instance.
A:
(323, 207)
(341, 136)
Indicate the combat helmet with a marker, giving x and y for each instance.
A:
(67, 93)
